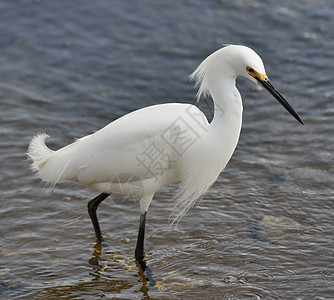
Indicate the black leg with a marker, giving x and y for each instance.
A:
(139, 253)
(92, 207)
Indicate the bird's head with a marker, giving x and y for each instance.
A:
(252, 68)
(233, 61)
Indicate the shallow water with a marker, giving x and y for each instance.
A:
(265, 230)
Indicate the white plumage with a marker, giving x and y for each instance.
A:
(155, 146)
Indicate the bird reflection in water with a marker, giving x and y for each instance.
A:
(104, 258)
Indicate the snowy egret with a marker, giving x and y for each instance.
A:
(147, 149)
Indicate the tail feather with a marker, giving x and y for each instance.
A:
(50, 165)
(38, 152)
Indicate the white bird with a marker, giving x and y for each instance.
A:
(139, 153)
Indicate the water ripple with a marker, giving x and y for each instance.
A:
(264, 230)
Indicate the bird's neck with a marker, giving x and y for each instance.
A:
(227, 104)
(227, 120)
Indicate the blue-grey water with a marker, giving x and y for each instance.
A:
(265, 230)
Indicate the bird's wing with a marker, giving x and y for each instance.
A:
(141, 144)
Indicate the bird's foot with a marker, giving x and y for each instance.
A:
(141, 263)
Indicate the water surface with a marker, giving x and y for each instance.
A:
(265, 230)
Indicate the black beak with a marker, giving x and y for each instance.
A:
(270, 88)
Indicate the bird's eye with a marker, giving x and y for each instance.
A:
(250, 70)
